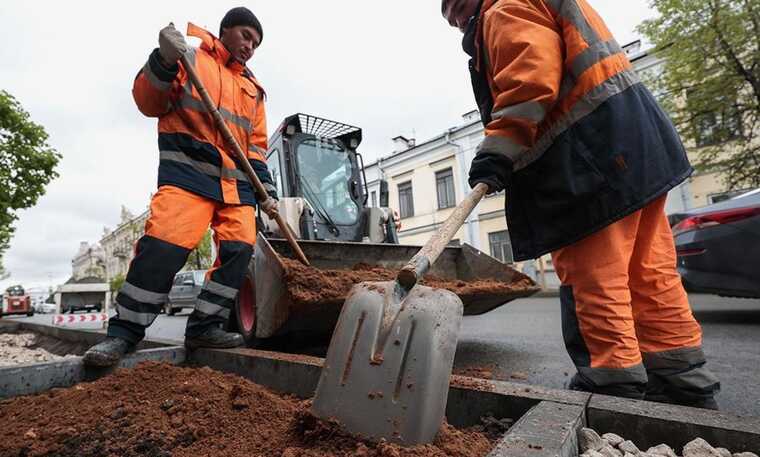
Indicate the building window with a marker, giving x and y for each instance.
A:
(723, 196)
(373, 199)
(444, 184)
(501, 247)
(405, 199)
(715, 128)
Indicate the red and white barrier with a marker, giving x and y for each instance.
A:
(85, 321)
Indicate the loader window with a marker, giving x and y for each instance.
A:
(325, 171)
(273, 162)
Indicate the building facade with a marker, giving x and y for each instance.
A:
(118, 245)
(88, 262)
(427, 179)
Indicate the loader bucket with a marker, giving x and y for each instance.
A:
(275, 313)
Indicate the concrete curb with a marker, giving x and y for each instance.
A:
(655, 423)
(547, 420)
(39, 377)
(548, 430)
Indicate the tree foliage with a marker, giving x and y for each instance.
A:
(202, 256)
(27, 165)
(711, 82)
(116, 282)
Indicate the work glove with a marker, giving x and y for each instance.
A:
(269, 206)
(171, 44)
(493, 169)
(272, 192)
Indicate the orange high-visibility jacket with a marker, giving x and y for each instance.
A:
(560, 99)
(194, 155)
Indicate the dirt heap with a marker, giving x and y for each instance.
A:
(160, 410)
(309, 286)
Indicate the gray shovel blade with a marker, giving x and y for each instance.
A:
(387, 370)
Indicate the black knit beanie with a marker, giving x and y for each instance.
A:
(241, 16)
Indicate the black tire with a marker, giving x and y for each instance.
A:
(172, 311)
(30, 313)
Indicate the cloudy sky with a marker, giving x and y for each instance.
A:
(392, 67)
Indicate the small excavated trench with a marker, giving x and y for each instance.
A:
(22, 347)
(158, 409)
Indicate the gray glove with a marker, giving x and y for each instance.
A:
(172, 44)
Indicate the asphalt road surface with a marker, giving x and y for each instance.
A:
(522, 342)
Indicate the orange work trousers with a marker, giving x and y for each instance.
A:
(625, 313)
(178, 221)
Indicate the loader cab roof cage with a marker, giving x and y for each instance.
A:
(15, 291)
(349, 135)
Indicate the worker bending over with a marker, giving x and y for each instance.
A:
(586, 157)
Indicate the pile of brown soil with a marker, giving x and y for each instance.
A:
(491, 371)
(160, 410)
(311, 287)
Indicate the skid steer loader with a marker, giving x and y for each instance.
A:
(319, 175)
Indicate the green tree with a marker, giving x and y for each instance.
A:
(27, 165)
(711, 82)
(116, 282)
(201, 257)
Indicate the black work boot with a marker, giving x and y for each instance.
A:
(214, 337)
(632, 390)
(108, 352)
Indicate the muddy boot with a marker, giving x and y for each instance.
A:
(108, 352)
(632, 390)
(214, 337)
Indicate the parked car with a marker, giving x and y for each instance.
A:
(72, 302)
(186, 287)
(46, 308)
(718, 247)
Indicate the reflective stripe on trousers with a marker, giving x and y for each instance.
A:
(622, 297)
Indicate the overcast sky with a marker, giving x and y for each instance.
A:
(392, 67)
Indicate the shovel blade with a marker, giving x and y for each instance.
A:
(388, 366)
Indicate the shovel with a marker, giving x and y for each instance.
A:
(240, 156)
(388, 366)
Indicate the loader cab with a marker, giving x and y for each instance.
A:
(314, 162)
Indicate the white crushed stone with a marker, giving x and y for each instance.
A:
(15, 349)
(612, 445)
(663, 450)
(613, 439)
(589, 440)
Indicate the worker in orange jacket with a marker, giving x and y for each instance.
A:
(587, 157)
(199, 183)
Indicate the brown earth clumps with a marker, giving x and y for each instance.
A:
(312, 287)
(159, 410)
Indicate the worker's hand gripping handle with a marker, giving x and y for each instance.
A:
(421, 262)
(240, 155)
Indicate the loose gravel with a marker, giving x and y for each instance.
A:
(22, 348)
(591, 444)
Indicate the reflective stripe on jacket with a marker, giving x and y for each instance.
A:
(193, 154)
(559, 97)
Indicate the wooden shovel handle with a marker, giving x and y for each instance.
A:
(240, 155)
(425, 257)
